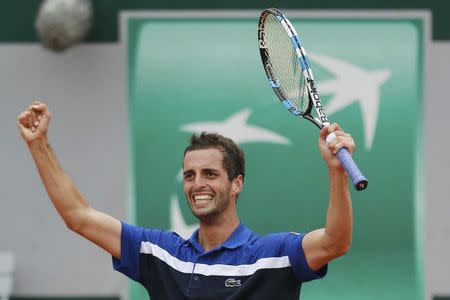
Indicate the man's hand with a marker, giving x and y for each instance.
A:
(328, 152)
(33, 122)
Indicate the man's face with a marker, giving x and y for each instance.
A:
(208, 191)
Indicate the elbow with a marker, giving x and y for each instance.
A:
(73, 225)
(342, 248)
(74, 222)
(339, 248)
(338, 244)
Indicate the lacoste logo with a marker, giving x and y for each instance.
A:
(231, 282)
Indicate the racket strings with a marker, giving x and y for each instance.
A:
(284, 66)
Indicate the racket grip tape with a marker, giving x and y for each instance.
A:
(357, 178)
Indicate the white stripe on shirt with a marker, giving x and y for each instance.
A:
(217, 269)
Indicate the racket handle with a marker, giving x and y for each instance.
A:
(359, 181)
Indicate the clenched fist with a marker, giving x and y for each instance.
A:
(342, 140)
(33, 122)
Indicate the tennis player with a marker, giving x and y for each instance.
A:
(223, 259)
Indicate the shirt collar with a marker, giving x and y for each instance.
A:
(238, 238)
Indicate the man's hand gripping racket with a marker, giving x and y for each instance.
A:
(287, 68)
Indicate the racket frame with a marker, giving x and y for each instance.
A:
(314, 98)
(314, 101)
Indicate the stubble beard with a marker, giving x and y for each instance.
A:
(211, 216)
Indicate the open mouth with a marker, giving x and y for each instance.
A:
(202, 199)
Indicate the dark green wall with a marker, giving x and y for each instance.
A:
(17, 17)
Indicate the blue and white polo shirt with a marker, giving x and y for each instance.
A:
(246, 266)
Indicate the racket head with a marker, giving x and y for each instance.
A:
(287, 67)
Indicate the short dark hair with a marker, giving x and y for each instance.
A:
(233, 156)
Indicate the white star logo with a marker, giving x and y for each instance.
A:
(353, 84)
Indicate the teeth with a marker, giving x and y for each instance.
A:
(202, 197)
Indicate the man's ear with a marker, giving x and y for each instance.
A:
(237, 184)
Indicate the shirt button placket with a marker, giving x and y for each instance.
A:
(195, 284)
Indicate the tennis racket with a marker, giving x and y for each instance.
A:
(290, 75)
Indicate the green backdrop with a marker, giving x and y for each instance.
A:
(182, 71)
(17, 17)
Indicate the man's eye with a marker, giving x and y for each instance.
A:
(188, 176)
(210, 174)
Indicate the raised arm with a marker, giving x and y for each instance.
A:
(322, 245)
(78, 216)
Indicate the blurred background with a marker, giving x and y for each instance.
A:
(73, 56)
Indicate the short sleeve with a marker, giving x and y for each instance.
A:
(130, 244)
(298, 261)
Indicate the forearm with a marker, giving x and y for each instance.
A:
(339, 222)
(324, 244)
(64, 194)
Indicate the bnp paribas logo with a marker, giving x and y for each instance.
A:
(350, 83)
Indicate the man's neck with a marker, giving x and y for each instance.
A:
(212, 235)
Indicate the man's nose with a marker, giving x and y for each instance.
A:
(199, 181)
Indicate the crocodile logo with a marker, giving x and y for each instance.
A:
(231, 282)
